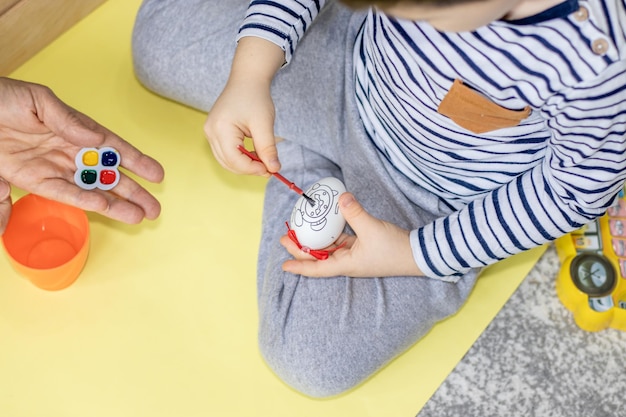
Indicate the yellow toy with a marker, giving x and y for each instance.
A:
(592, 280)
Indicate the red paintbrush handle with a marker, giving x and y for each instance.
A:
(252, 156)
(289, 184)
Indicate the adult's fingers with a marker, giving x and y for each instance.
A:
(5, 204)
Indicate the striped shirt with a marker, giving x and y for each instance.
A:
(509, 189)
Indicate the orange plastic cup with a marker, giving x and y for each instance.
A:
(47, 242)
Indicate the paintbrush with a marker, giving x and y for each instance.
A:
(284, 180)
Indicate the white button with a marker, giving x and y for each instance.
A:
(581, 14)
(600, 46)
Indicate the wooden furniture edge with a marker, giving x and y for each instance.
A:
(27, 26)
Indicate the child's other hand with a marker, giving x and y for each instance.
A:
(245, 109)
(379, 249)
(39, 139)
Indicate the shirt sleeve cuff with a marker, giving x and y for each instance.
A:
(271, 35)
(424, 260)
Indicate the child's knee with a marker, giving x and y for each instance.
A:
(316, 371)
(149, 49)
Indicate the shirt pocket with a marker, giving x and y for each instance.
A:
(474, 112)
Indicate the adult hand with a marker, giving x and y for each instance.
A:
(379, 249)
(39, 139)
(5, 204)
(245, 109)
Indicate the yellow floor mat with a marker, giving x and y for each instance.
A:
(162, 321)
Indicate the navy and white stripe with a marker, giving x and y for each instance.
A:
(514, 188)
(280, 22)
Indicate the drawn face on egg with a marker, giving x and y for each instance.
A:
(325, 201)
(318, 226)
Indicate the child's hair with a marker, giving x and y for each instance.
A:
(359, 4)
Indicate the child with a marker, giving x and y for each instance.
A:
(468, 131)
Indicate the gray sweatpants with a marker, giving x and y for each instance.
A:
(321, 336)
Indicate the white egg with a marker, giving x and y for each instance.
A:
(318, 226)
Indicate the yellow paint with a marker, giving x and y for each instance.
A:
(90, 158)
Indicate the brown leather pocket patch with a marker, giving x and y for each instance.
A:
(474, 112)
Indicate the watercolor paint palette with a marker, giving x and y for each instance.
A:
(97, 168)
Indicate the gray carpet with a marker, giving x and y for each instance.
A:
(533, 360)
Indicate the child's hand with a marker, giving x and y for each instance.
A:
(245, 109)
(39, 139)
(379, 249)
